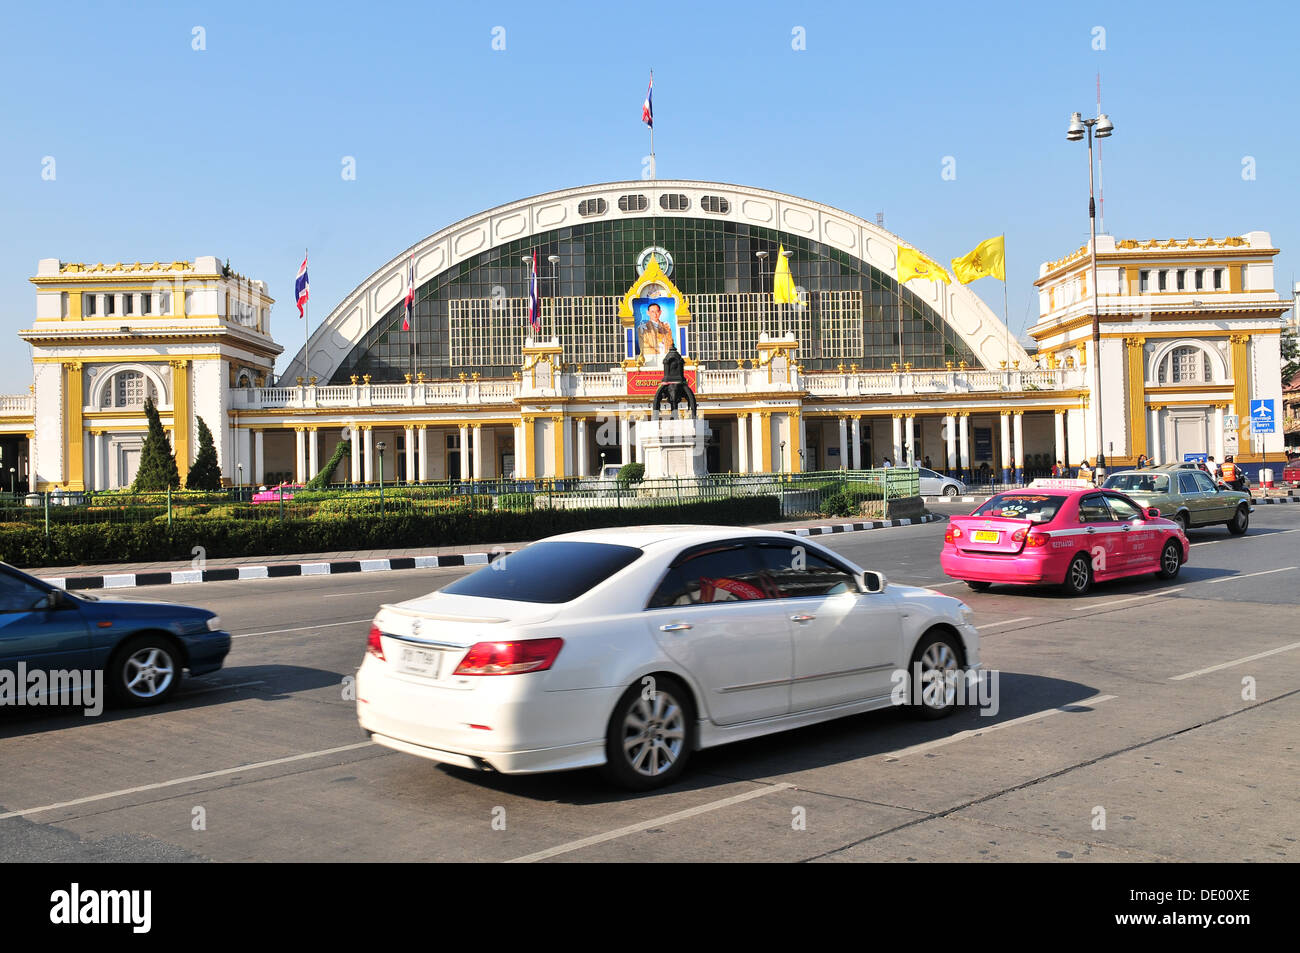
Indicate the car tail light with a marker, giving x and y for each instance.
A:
(374, 646)
(510, 658)
(1018, 536)
(1034, 540)
(952, 533)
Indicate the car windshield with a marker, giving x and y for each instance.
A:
(546, 572)
(1022, 506)
(1138, 483)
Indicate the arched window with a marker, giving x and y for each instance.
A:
(1185, 365)
(128, 389)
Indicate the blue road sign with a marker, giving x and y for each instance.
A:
(1262, 417)
(1193, 458)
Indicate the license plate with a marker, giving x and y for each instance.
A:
(422, 662)
(986, 536)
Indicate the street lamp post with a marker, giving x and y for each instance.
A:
(1102, 128)
(762, 283)
(13, 480)
(239, 479)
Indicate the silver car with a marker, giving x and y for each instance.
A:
(936, 484)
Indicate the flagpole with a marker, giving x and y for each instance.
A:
(306, 325)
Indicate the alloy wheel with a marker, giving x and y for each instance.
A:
(654, 732)
(148, 672)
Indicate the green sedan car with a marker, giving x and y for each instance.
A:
(1186, 495)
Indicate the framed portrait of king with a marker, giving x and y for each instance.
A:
(655, 328)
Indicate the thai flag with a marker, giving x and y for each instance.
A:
(647, 108)
(410, 294)
(534, 302)
(301, 288)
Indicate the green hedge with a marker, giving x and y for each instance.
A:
(71, 544)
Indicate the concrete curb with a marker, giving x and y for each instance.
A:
(129, 580)
(860, 527)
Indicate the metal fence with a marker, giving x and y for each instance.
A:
(843, 491)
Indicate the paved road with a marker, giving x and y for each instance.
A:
(1128, 702)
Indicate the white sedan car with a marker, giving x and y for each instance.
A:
(632, 647)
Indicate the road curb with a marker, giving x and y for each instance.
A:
(128, 580)
(860, 527)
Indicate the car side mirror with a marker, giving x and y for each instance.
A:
(1153, 512)
(871, 581)
(54, 599)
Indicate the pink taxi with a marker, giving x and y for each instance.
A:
(1061, 532)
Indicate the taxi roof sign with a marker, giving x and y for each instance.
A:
(1061, 483)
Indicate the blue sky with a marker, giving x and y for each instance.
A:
(163, 151)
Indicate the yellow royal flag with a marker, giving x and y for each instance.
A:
(988, 258)
(784, 291)
(912, 264)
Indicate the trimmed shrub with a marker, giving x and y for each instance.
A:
(631, 473)
(205, 474)
(73, 543)
(157, 464)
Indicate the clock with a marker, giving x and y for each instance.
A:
(660, 255)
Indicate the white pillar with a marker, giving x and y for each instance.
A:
(477, 444)
(624, 438)
(519, 449)
(909, 438)
(1157, 454)
(897, 457)
(581, 447)
(950, 434)
(101, 461)
(1018, 429)
(410, 455)
(313, 452)
(855, 443)
(742, 443)
(1005, 430)
(635, 435)
(300, 454)
(255, 467)
(1218, 432)
(963, 441)
(464, 452)
(355, 454)
(422, 455)
(367, 455)
(804, 463)
(1058, 445)
(759, 465)
(844, 444)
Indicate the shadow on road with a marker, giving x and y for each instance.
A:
(843, 740)
(268, 682)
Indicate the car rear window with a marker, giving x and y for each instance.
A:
(546, 572)
(1138, 483)
(1039, 508)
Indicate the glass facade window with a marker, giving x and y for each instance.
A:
(128, 389)
(473, 317)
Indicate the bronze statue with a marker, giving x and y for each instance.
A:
(674, 388)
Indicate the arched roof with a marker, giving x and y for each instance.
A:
(334, 339)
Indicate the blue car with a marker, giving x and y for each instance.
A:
(141, 648)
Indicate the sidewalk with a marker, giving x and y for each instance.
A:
(175, 572)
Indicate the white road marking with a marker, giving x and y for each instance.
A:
(646, 825)
(976, 732)
(301, 628)
(1115, 602)
(1247, 539)
(354, 595)
(194, 777)
(1266, 572)
(1240, 661)
(987, 625)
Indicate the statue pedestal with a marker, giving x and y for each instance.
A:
(673, 448)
